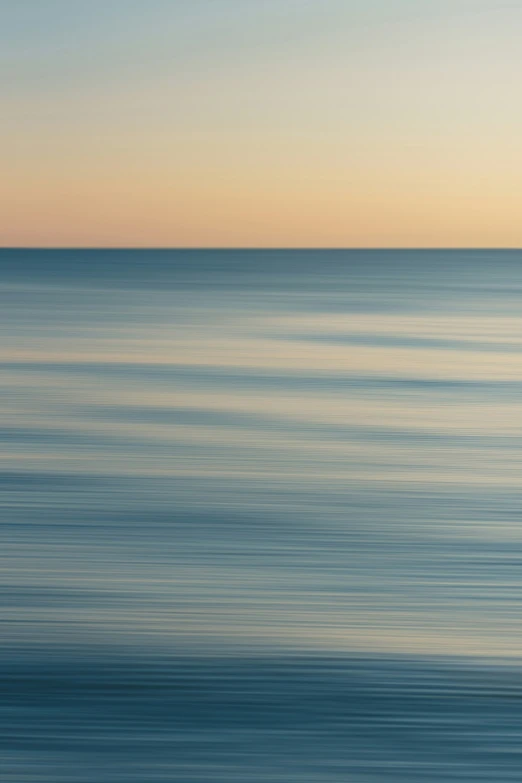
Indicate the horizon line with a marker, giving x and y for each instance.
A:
(185, 248)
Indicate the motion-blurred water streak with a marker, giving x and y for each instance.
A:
(261, 516)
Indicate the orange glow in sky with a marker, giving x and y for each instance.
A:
(277, 123)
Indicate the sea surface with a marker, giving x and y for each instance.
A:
(261, 516)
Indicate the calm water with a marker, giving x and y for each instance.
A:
(261, 516)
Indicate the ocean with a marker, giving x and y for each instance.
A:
(261, 516)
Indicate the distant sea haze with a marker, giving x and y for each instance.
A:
(261, 516)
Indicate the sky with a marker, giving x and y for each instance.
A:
(260, 123)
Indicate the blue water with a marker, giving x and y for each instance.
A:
(261, 516)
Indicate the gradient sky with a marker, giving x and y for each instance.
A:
(260, 123)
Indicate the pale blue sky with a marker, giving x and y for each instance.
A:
(260, 122)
